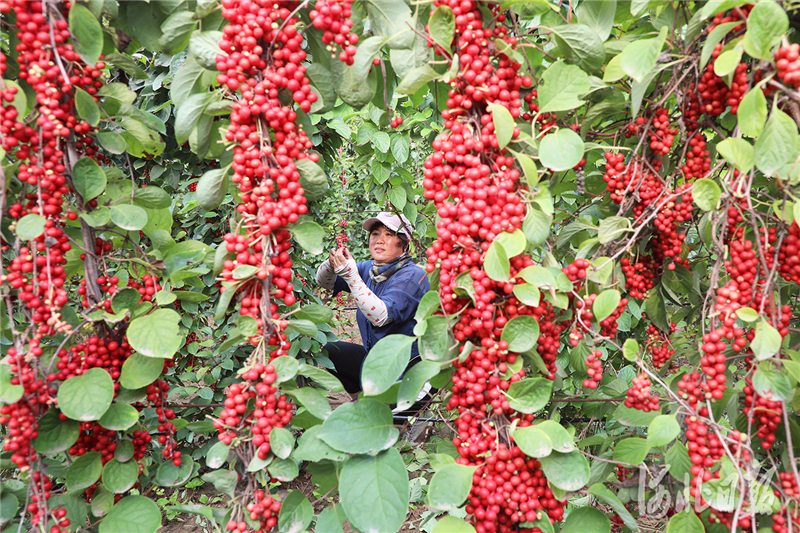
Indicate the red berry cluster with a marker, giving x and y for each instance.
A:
(662, 135)
(787, 59)
(333, 18)
(475, 188)
(658, 345)
(272, 409)
(764, 412)
(639, 276)
(264, 509)
(788, 485)
(594, 369)
(640, 395)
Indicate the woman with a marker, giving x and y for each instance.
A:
(387, 291)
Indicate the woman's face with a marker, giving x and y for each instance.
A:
(384, 244)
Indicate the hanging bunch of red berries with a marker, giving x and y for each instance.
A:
(475, 187)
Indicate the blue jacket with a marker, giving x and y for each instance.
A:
(401, 293)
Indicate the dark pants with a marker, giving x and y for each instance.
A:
(347, 358)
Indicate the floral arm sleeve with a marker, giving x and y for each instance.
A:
(326, 277)
(374, 308)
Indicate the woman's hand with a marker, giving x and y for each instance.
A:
(339, 257)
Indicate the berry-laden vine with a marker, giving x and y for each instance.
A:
(604, 195)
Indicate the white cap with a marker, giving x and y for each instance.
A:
(396, 223)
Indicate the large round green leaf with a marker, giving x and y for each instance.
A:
(120, 477)
(360, 427)
(169, 475)
(374, 491)
(521, 333)
(129, 217)
(88, 178)
(56, 435)
(567, 471)
(385, 363)
(561, 150)
(120, 416)
(86, 397)
(295, 514)
(85, 471)
(139, 371)
(450, 487)
(134, 514)
(586, 520)
(156, 334)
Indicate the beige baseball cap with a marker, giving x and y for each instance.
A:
(396, 223)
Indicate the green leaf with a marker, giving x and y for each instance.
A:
(84, 471)
(416, 79)
(738, 153)
(656, 309)
(316, 313)
(630, 350)
(527, 294)
(521, 333)
(120, 477)
(503, 124)
(561, 88)
(609, 498)
(152, 197)
(766, 23)
(324, 378)
(727, 61)
(189, 79)
(309, 235)
(401, 146)
(663, 430)
(156, 334)
(413, 381)
(778, 146)
(706, 194)
(311, 448)
(205, 48)
(111, 142)
(586, 520)
(102, 501)
(296, 513)
(533, 441)
(451, 524)
(633, 417)
(752, 112)
(685, 522)
(139, 371)
(314, 401)
(285, 367)
(442, 26)
(598, 15)
(632, 451)
(281, 442)
(129, 217)
(605, 304)
(211, 188)
(87, 32)
(88, 178)
(713, 39)
(561, 150)
(529, 395)
(360, 427)
(536, 225)
(86, 397)
(132, 514)
(772, 385)
(189, 114)
(313, 179)
(678, 460)
(86, 107)
(55, 435)
(9, 393)
(496, 263)
(217, 455)
(560, 439)
(303, 327)
(389, 18)
(126, 63)
(385, 363)
(397, 196)
(223, 480)
(767, 341)
(381, 480)
(639, 57)
(176, 32)
(567, 471)
(169, 475)
(119, 417)
(450, 487)
(30, 226)
(612, 228)
(581, 46)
